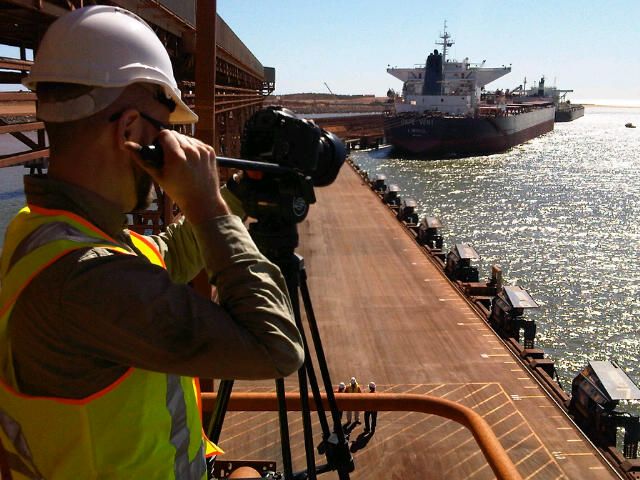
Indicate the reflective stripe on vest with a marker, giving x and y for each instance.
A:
(13, 431)
(149, 250)
(179, 431)
(78, 442)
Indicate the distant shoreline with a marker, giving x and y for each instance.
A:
(307, 103)
(599, 105)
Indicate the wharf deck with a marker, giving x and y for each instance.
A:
(387, 313)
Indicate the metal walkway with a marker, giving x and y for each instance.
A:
(386, 313)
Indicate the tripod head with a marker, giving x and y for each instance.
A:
(287, 156)
(303, 155)
(278, 202)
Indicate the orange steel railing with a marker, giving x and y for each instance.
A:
(494, 453)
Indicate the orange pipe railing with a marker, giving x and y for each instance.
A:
(491, 448)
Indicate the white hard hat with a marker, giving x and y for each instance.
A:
(108, 47)
(342, 386)
(353, 380)
(372, 385)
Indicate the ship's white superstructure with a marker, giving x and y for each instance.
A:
(541, 90)
(459, 84)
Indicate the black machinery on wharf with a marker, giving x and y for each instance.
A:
(596, 391)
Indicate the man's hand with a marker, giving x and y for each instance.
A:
(189, 175)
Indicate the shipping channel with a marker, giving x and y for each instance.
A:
(560, 214)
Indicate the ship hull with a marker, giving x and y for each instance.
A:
(437, 137)
(568, 115)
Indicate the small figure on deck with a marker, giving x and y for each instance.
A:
(370, 416)
(353, 387)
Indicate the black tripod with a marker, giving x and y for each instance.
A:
(278, 243)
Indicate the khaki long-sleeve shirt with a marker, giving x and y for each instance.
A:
(93, 314)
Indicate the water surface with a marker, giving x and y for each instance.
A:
(561, 215)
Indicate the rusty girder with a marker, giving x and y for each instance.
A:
(238, 90)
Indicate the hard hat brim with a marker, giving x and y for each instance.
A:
(182, 114)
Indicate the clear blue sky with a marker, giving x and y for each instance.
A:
(589, 46)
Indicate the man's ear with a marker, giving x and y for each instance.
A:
(128, 128)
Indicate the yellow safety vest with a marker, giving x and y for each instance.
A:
(145, 425)
(353, 388)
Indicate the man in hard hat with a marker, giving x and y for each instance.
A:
(353, 387)
(100, 336)
(370, 416)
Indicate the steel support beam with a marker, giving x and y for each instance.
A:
(17, 159)
(205, 77)
(20, 127)
(205, 73)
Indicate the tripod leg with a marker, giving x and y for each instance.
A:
(294, 286)
(315, 389)
(306, 424)
(284, 430)
(278, 244)
(219, 410)
(291, 274)
(317, 343)
(344, 459)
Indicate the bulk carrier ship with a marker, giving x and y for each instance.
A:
(565, 110)
(442, 111)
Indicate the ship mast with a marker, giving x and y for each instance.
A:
(445, 44)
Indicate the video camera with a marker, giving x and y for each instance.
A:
(293, 155)
(277, 135)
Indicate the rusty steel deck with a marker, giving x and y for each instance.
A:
(386, 313)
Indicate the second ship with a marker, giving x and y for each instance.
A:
(444, 112)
